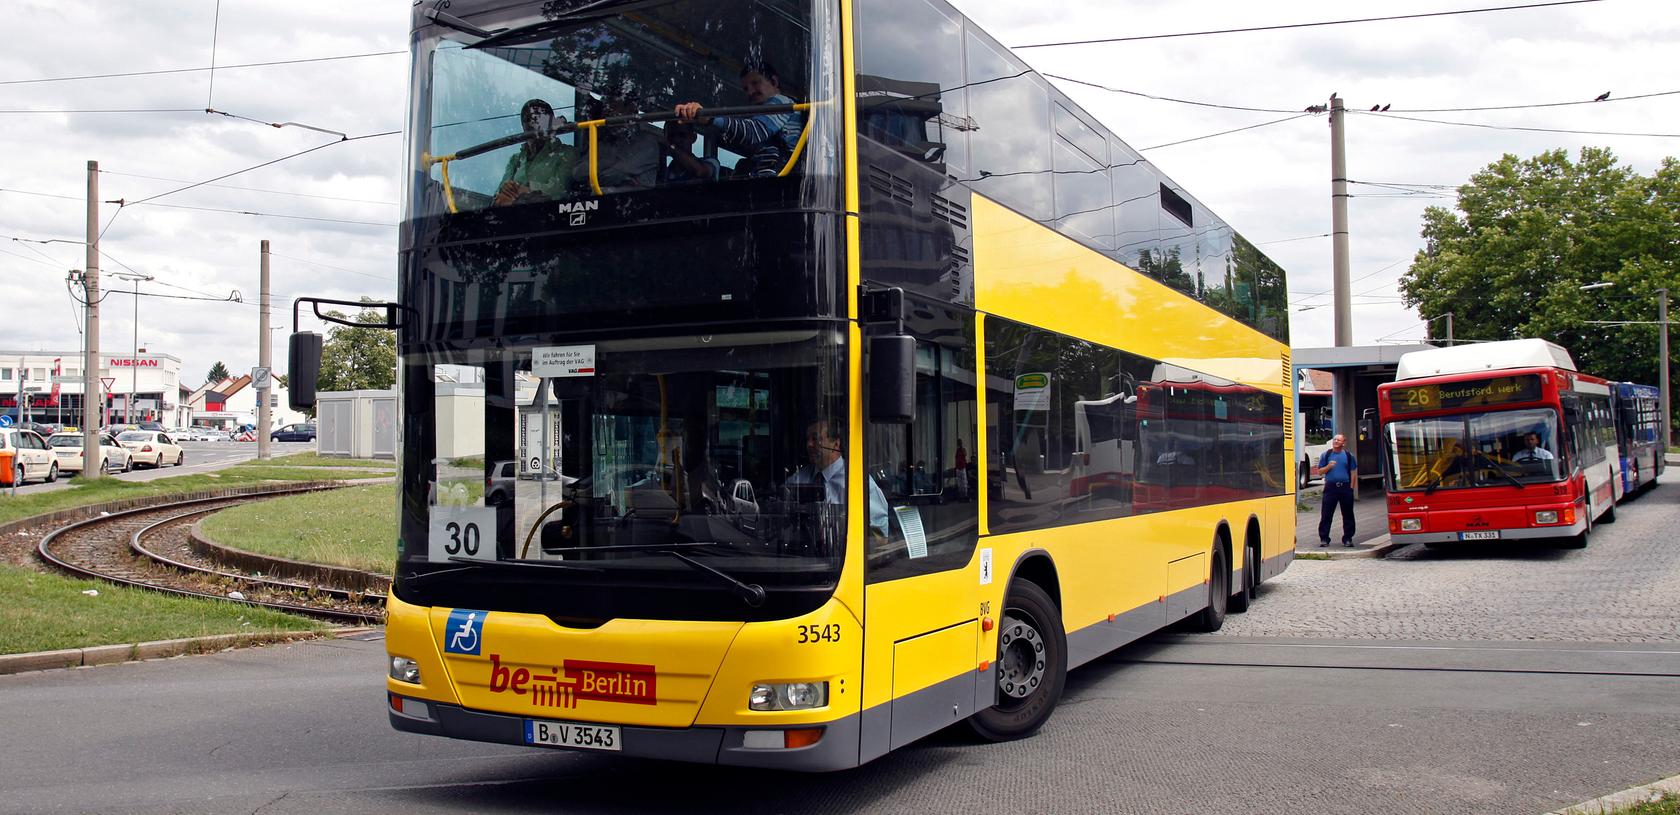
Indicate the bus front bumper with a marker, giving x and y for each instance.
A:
(837, 750)
(1532, 533)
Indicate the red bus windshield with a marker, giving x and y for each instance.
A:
(1475, 450)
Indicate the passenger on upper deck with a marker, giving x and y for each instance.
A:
(542, 166)
(629, 156)
(767, 138)
(685, 167)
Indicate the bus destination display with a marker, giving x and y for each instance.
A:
(1479, 393)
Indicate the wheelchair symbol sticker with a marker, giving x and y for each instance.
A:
(465, 631)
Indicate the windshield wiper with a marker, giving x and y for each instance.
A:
(1433, 483)
(476, 565)
(1501, 470)
(636, 547)
(451, 21)
(751, 593)
(588, 11)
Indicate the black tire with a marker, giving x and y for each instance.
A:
(1212, 618)
(180, 458)
(1239, 602)
(1303, 474)
(1609, 516)
(17, 475)
(1031, 666)
(52, 473)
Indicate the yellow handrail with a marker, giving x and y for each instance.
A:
(799, 146)
(448, 190)
(594, 126)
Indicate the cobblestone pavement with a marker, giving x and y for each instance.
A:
(1624, 587)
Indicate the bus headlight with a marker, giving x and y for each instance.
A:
(404, 669)
(788, 696)
(1546, 516)
(1411, 524)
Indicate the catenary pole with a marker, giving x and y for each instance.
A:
(263, 351)
(92, 397)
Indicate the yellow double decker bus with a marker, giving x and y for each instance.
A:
(753, 355)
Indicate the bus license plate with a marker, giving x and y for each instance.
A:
(1479, 536)
(571, 734)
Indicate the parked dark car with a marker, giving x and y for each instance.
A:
(294, 432)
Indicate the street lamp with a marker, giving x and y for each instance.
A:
(1662, 349)
(134, 369)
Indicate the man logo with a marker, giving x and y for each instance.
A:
(579, 206)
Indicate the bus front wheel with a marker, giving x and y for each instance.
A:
(1031, 666)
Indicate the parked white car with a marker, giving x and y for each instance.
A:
(32, 459)
(113, 457)
(152, 448)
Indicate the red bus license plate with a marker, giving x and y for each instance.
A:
(1479, 536)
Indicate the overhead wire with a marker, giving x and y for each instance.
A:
(1283, 26)
(215, 29)
(265, 164)
(195, 70)
(1226, 132)
(1517, 127)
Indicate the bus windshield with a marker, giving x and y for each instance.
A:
(1511, 447)
(504, 112)
(725, 450)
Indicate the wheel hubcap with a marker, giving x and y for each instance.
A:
(1021, 659)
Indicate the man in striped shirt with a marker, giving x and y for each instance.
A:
(766, 138)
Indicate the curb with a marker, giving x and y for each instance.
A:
(131, 652)
(1615, 801)
(1383, 546)
(354, 579)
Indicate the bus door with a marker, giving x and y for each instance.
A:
(921, 606)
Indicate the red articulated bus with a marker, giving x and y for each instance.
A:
(1498, 441)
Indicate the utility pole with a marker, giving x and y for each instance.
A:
(1345, 401)
(1449, 328)
(263, 416)
(1339, 224)
(90, 352)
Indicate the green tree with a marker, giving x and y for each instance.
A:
(359, 358)
(1510, 258)
(218, 372)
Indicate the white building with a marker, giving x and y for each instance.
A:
(50, 383)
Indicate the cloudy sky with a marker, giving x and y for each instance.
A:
(1271, 183)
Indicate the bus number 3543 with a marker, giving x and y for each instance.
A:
(819, 633)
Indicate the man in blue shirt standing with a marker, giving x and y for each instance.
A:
(1339, 468)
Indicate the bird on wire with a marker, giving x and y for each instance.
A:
(1603, 96)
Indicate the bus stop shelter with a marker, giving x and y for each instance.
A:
(1357, 371)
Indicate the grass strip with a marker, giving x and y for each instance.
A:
(47, 612)
(318, 460)
(354, 527)
(82, 493)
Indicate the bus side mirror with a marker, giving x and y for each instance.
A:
(892, 379)
(303, 369)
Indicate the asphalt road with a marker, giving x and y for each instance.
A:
(1342, 729)
(1492, 680)
(202, 457)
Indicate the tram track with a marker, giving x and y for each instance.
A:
(137, 547)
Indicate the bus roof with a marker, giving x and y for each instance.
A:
(1483, 356)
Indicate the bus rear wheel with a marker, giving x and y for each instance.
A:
(1212, 618)
(1240, 601)
(1031, 666)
